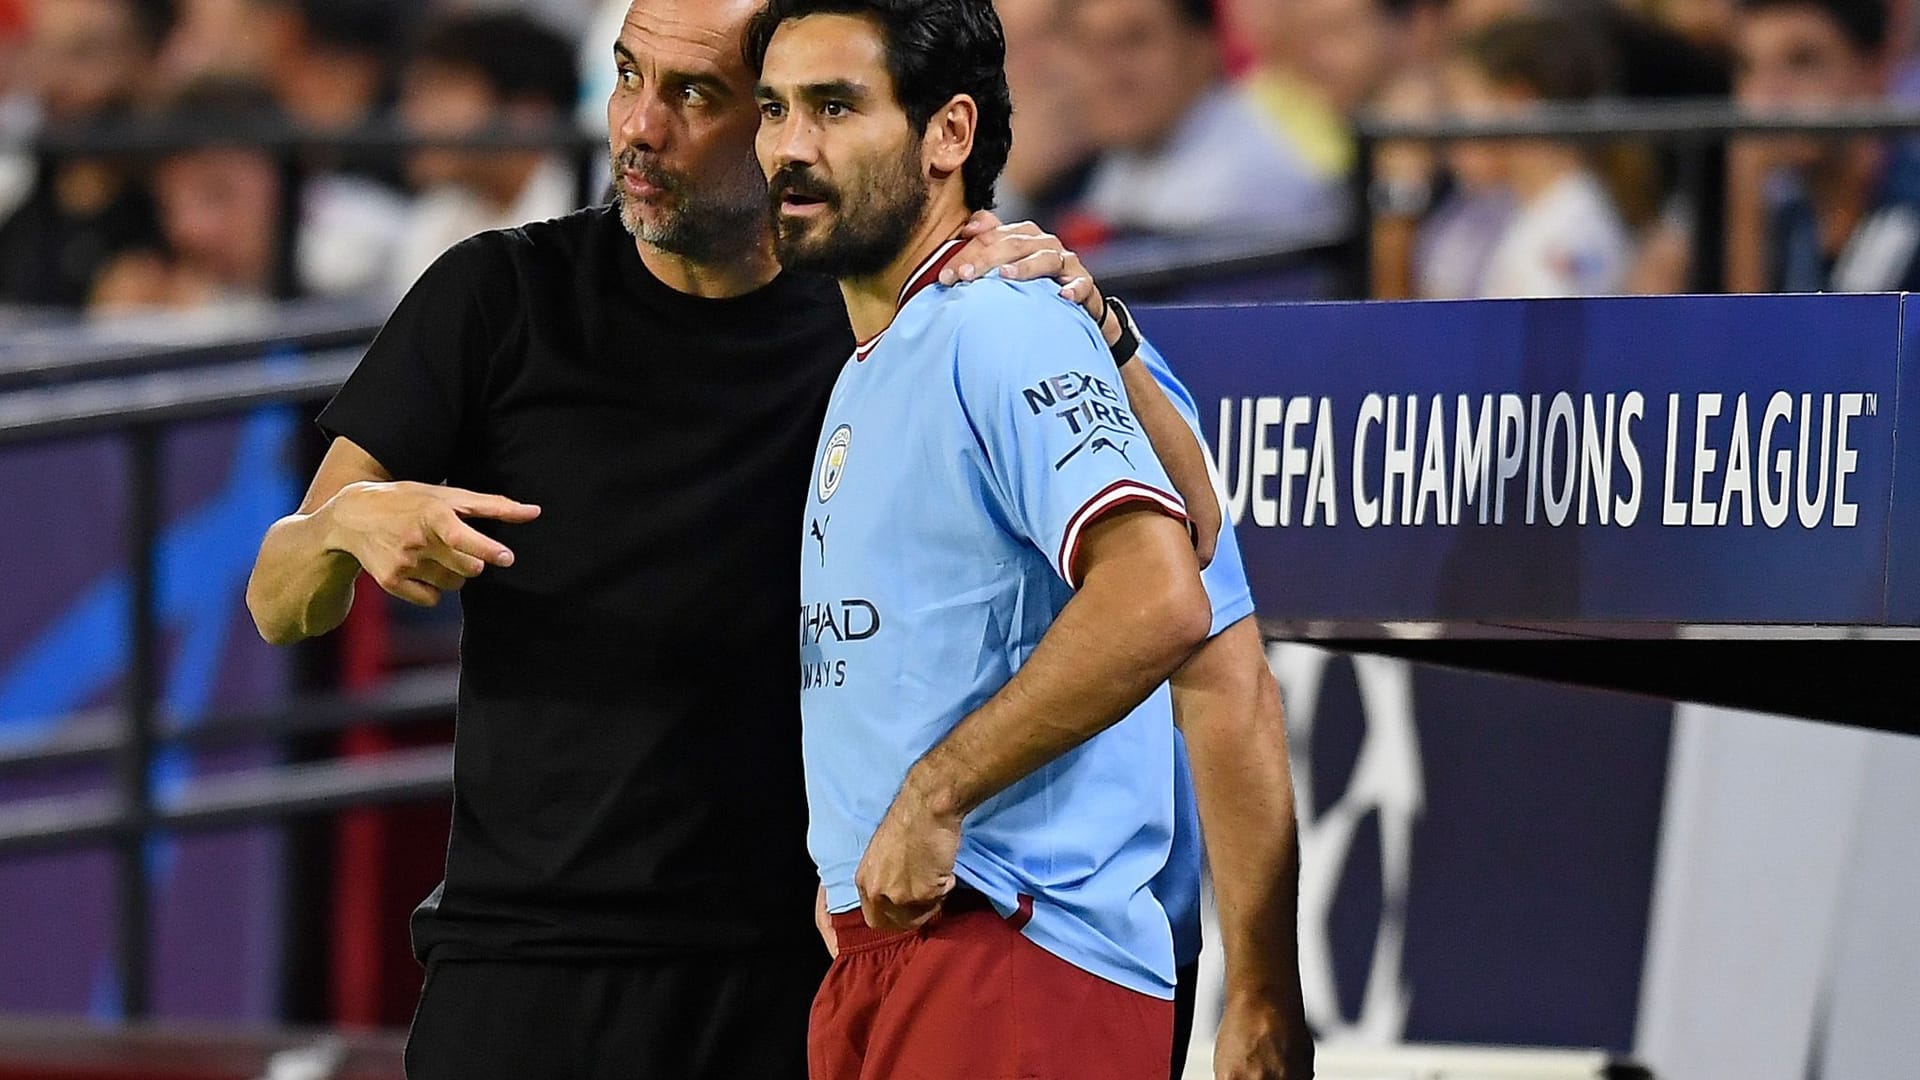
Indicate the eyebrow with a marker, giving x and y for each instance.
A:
(831, 90)
(704, 80)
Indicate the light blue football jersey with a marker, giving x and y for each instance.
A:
(962, 454)
(1178, 886)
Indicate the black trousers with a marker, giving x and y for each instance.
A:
(720, 1017)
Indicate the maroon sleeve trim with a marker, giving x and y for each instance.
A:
(1116, 494)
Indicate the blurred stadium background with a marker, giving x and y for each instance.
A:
(208, 847)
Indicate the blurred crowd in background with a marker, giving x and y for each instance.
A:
(1140, 125)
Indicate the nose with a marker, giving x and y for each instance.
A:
(644, 124)
(795, 141)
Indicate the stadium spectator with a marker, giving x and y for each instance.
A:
(1690, 43)
(1649, 59)
(330, 62)
(1708, 24)
(85, 61)
(1052, 156)
(330, 65)
(218, 205)
(220, 217)
(225, 38)
(1840, 215)
(1564, 236)
(1181, 152)
(1317, 63)
(469, 73)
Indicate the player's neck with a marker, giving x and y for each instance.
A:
(873, 300)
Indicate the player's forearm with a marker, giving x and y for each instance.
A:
(1137, 616)
(1179, 453)
(302, 584)
(1229, 711)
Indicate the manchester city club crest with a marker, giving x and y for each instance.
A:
(834, 462)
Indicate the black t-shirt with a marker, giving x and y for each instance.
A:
(627, 772)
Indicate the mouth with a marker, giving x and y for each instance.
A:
(801, 204)
(638, 186)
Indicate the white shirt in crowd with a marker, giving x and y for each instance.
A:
(1569, 241)
(19, 120)
(445, 216)
(349, 226)
(1219, 170)
(1456, 242)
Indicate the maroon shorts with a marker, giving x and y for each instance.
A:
(968, 997)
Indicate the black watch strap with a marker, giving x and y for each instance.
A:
(1128, 346)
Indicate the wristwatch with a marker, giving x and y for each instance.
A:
(1128, 346)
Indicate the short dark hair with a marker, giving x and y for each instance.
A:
(360, 26)
(936, 49)
(154, 19)
(518, 56)
(1559, 57)
(1199, 14)
(1864, 22)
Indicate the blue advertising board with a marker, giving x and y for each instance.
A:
(1903, 527)
(1711, 460)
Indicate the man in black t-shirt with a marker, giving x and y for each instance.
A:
(605, 445)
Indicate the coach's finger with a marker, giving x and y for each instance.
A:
(1010, 244)
(494, 507)
(413, 592)
(1046, 263)
(464, 538)
(994, 249)
(437, 576)
(982, 221)
(1079, 290)
(461, 563)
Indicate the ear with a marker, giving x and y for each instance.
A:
(949, 138)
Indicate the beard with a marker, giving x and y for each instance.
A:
(698, 221)
(864, 228)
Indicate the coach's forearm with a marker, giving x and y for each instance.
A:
(1228, 709)
(1137, 616)
(302, 585)
(1179, 452)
